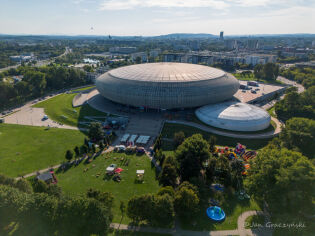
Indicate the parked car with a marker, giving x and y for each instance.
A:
(45, 117)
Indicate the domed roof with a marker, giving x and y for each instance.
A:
(167, 72)
(234, 115)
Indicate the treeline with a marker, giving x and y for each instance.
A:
(304, 76)
(12, 49)
(36, 82)
(298, 134)
(296, 105)
(36, 209)
(268, 71)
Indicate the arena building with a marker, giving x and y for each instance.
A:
(167, 85)
(236, 116)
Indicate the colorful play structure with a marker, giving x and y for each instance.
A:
(239, 153)
(216, 213)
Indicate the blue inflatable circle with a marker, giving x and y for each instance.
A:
(216, 213)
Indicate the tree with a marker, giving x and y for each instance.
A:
(168, 175)
(283, 178)
(101, 145)
(258, 71)
(166, 190)
(155, 209)
(86, 142)
(138, 60)
(186, 202)
(237, 166)
(69, 155)
(24, 186)
(77, 151)
(104, 197)
(84, 149)
(270, 71)
(159, 155)
(299, 134)
(93, 148)
(179, 138)
(122, 208)
(158, 143)
(96, 131)
(212, 142)
(39, 186)
(191, 154)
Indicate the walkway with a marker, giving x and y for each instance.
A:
(268, 134)
(241, 231)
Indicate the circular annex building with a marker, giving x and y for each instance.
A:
(167, 85)
(234, 116)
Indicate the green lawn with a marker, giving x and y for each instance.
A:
(75, 180)
(169, 130)
(272, 112)
(232, 207)
(60, 109)
(25, 149)
(83, 89)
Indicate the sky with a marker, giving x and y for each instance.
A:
(156, 17)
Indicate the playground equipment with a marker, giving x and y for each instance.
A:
(249, 155)
(232, 156)
(215, 213)
(217, 187)
(240, 149)
(247, 166)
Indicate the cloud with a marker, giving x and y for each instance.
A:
(251, 3)
(131, 4)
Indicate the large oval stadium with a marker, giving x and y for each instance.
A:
(167, 85)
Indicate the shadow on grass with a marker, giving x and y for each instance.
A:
(169, 130)
(201, 222)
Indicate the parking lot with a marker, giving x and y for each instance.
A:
(257, 93)
(28, 115)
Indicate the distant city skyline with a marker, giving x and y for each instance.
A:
(156, 17)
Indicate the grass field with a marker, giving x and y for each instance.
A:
(83, 89)
(169, 130)
(76, 181)
(232, 207)
(272, 112)
(60, 109)
(25, 149)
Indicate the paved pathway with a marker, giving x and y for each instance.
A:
(177, 230)
(268, 134)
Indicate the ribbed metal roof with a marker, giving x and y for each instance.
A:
(167, 72)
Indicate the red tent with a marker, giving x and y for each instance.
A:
(118, 170)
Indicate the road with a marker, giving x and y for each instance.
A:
(290, 82)
(40, 63)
